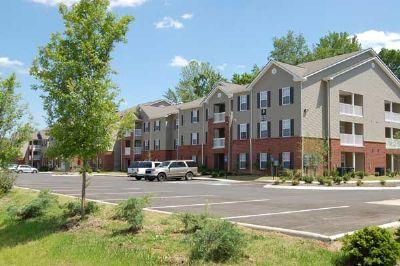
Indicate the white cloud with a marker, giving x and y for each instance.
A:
(379, 39)
(113, 3)
(179, 61)
(187, 16)
(222, 67)
(15, 65)
(168, 22)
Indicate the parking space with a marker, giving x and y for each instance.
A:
(325, 213)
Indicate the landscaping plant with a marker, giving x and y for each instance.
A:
(295, 182)
(359, 182)
(193, 222)
(131, 210)
(308, 179)
(35, 208)
(73, 208)
(371, 246)
(7, 180)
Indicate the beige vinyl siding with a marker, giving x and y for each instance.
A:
(189, 127)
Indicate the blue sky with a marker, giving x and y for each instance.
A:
(230, 34)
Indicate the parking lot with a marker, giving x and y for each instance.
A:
(324, 214)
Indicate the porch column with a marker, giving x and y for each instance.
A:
(353, 131)
(354, 161)
(352, 102)
(392, 163)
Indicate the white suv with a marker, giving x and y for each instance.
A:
(180, 169)
(25, 169)
(137, 169)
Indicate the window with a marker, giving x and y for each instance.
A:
(182, 141)
(263, 161)
(263, 99)
(286, 96)
(263, 129)
(156, 125)
(127, 143)
(243, 131)
(176, 143)
(286, 128)
(195, 138)
(156, 144)
(192, 164)
(286, 160)
(194, 159)
(182, 119)
(242, 160)
(177, 164)
(146, 145)
(176, 123)
(195, 116)
(146, 127)
(243, 102)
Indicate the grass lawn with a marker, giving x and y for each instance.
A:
(101, 240)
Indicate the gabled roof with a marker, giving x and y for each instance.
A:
(154, 112)
(226, 87)
(190, 105)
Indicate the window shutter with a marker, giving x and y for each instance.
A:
(258, 130)
(198, 138)
(191, 116)
(206, 114)
(258, 100)
(280, 158)
(280, 128)
(154, 144)
(258, 161)
(292, 127)
(248, 131)
(269, 129)
(280, 96)
(292, 160)
(247, 161)
(269, 99)
(206, 137)
(291, 95)
(238, 103)
(198, 115)
(238, 132)
(181, 120)
(248, 101)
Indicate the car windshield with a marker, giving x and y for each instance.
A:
(164, 164)
(144, 165)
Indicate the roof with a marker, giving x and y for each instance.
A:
(297, 70)
(154, 112)
(190, 105)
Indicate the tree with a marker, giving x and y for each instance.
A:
(335, 43)
(74, 74)
(291, 49)
(197, 80)
(15, 128)
(245, 78)
(391, 58)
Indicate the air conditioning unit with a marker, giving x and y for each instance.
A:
(264, 111)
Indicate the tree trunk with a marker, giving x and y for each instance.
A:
(83, 195)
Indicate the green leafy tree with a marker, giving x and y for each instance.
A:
(197, 80)
(245, 78)
(335, 43)
(291, 49)
(391, 58)
(15, 126)
(74, 73)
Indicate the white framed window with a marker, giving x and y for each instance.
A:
(286, 159)
(243, 102)
(195, 140)
(286, 130)
(242, 160)
(156, 125)
(194, 158)
(286, 96)
(263, 99)
(263, 129)
(146, 127)
(195, 117)
(156, 144)
(146, 145)
(263, 161)
(243, 131)
(176, 123)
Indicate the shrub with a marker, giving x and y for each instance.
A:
(308, 179)
(218, 241)
(334, 172)
(221, 173)
(371, 246)
(346, 177)
(297, 174)
(359, 182)
(204, 170)
(392, 174)
(215, 173)
(131, 210)
(360, 174)
(321, 180)
(383, 182)
(328, 182)
(325, 172)
(288, 173)
(337, 179)
(192, 222)
(44, 168)
(37, 207)
(73, 208)
(7, 180)
(352, 174)
(295, 182)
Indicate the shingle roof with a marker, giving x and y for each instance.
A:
(154, 112)
(297, 70)
(189, 105)
(230, 88)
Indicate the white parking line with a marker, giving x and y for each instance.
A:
(121, 193)
(285, 212)
(170, 197)
(208, 204)
(90, 189)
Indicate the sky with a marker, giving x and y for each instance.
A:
(165, 35)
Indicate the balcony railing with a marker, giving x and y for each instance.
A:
(137, 150)
(219, 143)
(37, 147)
(127, 134)
(351, 140)
(138, 132)
(392, 117)
(127, 151)
(219, 117)
(37, 157)
(392, 143)
(349, 109)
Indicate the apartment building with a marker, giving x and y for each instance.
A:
(34, 151)
(349, 103)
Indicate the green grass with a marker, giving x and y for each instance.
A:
(101, 240)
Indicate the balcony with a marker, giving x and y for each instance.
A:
(351, 140)
(127, 134)
(219, 117)
(127, 151)
(349, 109)
(137, 150)
(37, 157)
(219, 143)
(138, 132)
(37, 147)
(392, 143)
(392, 117)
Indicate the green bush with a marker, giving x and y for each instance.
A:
(371, 246)
(37, 207)
(131, 210)
(383, 182)
(337, 179)
(346, 177)
(308, 179)
(326, 172)
(360, 174)
(334, 172)
(203, 170)
(215, 173)
(295, 182)
(192, 222)
(73, 208)
(359, 183)
(288, 173)
(7, 180)
(321, 180)
(328, 182)
(297, 174)
(218, 241)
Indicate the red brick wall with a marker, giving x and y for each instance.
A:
(161, 155)
(107, 161)
(185, 152)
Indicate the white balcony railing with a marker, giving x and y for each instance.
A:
(351, 140)
(219, 143)
(392, 143)
(127, 151)
(37, 157)
(138, 150)
(219, 117)
(127, 134)
(349, 109)
(37, 147)
(138, 132)
(392, 117)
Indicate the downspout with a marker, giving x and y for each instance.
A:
(301, 130)
(328, 93)
(230, 135)
(251, 131)
(178, 137)
(204, 134)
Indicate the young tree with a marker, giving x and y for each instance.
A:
(197, 80)
(74, 73)
(15, 128)
(291, 49)
(335, 43)
(245, 78)
(391, 58)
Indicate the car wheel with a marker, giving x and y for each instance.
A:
(150, 178)
(161, 177)
(20, 172)
(138, 178)
(35, 172)
(189, 176)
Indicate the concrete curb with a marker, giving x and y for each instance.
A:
(331, 188)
